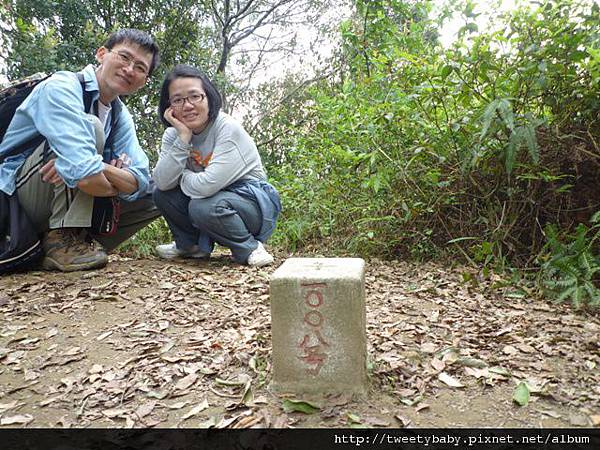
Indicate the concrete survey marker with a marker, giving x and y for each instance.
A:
(319, 325)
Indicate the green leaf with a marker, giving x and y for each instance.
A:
(459, 239)
(353, 417)
(290, 405)
(471, 362)
(446, 70)
(500, 371)
(501, 107)
(468, 28)
(407, 401)
(515, 294)
(505, 111)
(248, 395)
(511, 153)
(532, 144)
(521, 394)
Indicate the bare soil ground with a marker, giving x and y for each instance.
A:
(146, 343)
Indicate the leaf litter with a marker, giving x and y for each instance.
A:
(188, 344)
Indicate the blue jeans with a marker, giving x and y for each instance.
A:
(225, 218)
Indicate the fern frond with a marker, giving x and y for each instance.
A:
(566, 293)
(510, 153)
(532, 143)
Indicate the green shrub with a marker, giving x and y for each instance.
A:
(570, 265)
(417, 150)
(142, 244)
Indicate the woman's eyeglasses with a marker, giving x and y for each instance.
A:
(192, 99)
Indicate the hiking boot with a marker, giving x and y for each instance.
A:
(66, 250)
(260, 257)
(170, 251)
(91, 240)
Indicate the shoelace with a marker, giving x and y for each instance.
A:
(72, 239)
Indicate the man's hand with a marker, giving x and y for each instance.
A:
(116, 173)
(122, 162)
(49, 173)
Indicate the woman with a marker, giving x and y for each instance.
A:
(210, 182)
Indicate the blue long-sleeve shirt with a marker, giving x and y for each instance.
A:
(55, 110)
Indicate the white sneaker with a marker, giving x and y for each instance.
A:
(260, 257)
(170, 251)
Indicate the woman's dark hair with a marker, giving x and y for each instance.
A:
(184, 71)
(141, 38)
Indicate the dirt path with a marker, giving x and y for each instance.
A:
(183, 344)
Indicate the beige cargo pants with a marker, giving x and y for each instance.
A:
(50, 207)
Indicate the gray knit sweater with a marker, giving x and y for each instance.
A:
(220, 155)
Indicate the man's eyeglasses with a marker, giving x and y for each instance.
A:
(192, 99)
(138, 67)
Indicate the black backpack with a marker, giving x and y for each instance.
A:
(20, 245)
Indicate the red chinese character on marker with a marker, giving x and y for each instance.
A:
(306, 340)
(313, 354)
(313, 345)
(314, 319)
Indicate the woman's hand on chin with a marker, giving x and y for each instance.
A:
(185, 134)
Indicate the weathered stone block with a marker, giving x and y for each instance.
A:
(319, 325)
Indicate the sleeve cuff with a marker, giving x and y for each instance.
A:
(143, 184)
(182, 146)
(72, 174)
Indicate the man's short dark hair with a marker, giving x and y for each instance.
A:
(141, 38)
(184, 71)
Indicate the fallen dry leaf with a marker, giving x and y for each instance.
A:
(20, 419)
(450, 380)
(247, 422)
(526, 348)
(471, 362)
(115, 412)
(186, 382)
(550, 413)
(226, 422)
(404, 421)
(104, 335)
(210, 423)
(8, 406)
(421, 406)
(178, 405)
(72, 351)
(579, 420)
(96, 368)
(477, 373)
(49, 400)
(196, 409)
(509, 350)
(438, 364)
(51, 333)
(144, 409)
(428, 347)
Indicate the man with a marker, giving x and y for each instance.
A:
(57, 182)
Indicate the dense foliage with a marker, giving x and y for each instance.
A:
(414, 149)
